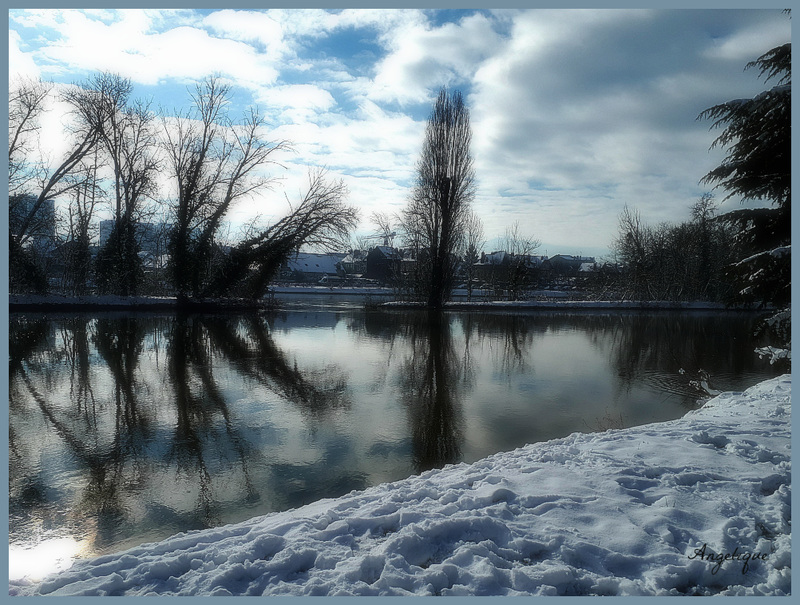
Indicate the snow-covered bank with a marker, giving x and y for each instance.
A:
(332, 290)
(648, 510)
(591, 305)
(60, 300)
(548, 301)
(110, 302)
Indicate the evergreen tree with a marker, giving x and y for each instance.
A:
(756, 136)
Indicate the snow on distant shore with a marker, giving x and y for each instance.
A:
(546, 300)
(594, 305)
(698, 505)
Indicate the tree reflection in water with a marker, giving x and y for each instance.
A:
(126, 428)
(204, 424)
(437, 373)
(431, 387)
(109, 417)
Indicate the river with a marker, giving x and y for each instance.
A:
(130, 427)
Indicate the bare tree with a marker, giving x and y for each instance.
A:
(34, 179)
(27, 100)
(474, 242)
(383, 221)
(128, 139)
(439, 206)
(632, 245)
(321, 220)
(361, 242)
(685, 261)
(76, 249)
(519, 248)
(215, 164)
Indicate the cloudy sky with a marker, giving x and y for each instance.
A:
(575, 113)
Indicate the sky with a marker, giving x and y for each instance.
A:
(575, 113)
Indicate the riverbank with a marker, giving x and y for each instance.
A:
(698, 505)
(591, 305)
(31, 302)
(373, 297)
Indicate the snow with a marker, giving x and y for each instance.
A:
(342, 290)
(544, 299)
(774, 354)
(778, 252)
(594, 305)
(698, 505)
(110, 300)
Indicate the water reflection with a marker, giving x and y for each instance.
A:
(432, 387)
(107, 408)
(126, 428)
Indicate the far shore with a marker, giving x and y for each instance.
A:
(372, 297)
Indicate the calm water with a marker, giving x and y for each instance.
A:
(128, 428)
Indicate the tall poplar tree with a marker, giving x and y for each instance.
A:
(436, 215)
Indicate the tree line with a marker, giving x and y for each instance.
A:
(187, 168)
(212, 163)
(687, 261)
(738, 256)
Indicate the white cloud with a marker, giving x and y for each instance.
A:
(296, 103)
(20, 64)
(750, 42)
(35, 18)
(373, 143)
(574, 113)
(422, 57)
(132, 47)
(581, 113)
(250, 26)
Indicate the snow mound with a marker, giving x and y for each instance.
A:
(698, 505)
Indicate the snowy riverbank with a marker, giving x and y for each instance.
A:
(547, 303)
(545, 300)
(698, 505)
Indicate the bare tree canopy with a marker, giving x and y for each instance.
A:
(120, 156)
(519, 247)
(34, 180)
(383, 221)
(214, 163)
(684, 261)
(127, 137)
(321, 219)
(435, 217)
(473, 246)
(30, 172)
(26, 104)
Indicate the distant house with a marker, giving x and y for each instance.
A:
(494, 258)
(601, 267)
(497, 264)
(383, 263)
(355, 263)
(312, 266)
(566, 263)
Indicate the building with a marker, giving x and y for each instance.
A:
(312, 266)
(566, 264)
(495, 266)
(383, 263)
(355, 263)
(42, 225)
(152, 237)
